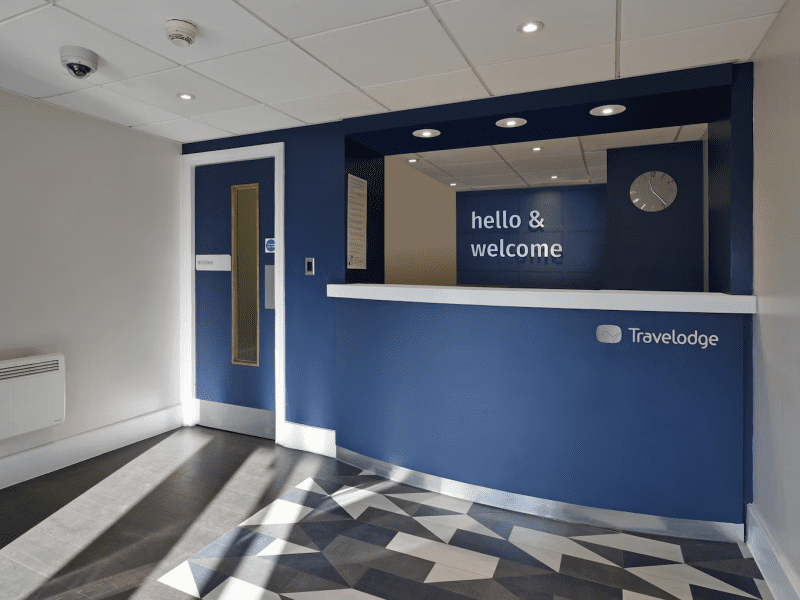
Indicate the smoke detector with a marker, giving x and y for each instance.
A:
(181, 32)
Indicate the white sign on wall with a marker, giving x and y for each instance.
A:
(356, 222)
(212, 262)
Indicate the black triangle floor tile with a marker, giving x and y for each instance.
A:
(478, 589)
(615, 555)
(391, 587)
(312, 564)
(610, 576)
(702, 593)
(305, 582)
(291, 532)
(347, 551)
(406, 505)
(206, 579)
(746, 584)
(495, 547)
(323, 534)
(555, 584)
(509, 568)
(746, 567)
(395, 522)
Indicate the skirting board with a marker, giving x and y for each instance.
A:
(307, 437)
(781, 577)
(573, 513)
(238, 419)
(83, 446)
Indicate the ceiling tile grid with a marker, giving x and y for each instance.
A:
(267, 64)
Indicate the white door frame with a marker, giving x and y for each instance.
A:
(188, 339)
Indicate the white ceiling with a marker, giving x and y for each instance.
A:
(574, 161)
(259, 65)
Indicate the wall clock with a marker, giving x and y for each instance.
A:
(653, 191)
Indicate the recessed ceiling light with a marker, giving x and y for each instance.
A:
(553, 176)
(530, 27)
(185, 96)
(607, 110)
(452, 184)
(536, 149)
(412, 160)
(511, 122)
(426, 133)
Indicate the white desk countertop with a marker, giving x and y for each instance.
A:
(693, 302)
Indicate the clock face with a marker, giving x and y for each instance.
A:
(653, 191)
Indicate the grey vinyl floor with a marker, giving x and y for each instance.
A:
(201, 513)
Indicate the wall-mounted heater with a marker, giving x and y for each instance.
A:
(32, 394)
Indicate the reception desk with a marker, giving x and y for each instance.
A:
(519, 390)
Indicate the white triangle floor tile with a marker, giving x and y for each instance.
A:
(745, 550)
(442, 572)
(437, 552)
(181, 579)
(332, 595)
(309, 485)
(546, 557)
(688, 575)
(356, 500)
(443, 532)
(680, 590)
(436, 500)
(278, 512)
(763, 588)
(554, 543)
(628, 595)
(279, 547)
(464, 522)
(366, 472)
(633, 543)
(236, 589)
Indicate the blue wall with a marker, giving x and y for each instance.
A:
(528, 401)
(573, 217)
(317, 373)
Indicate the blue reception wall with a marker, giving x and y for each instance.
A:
(574, 217)
(336, 348)
(528, 401)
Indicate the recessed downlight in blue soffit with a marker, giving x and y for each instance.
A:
(415, 385)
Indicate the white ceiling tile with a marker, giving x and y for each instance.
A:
(103, 103)
(478, 169)
(549, 148)
(625, 139)
(162, 89)
(25, 76)
(38, 37)
(184, 131)
(398, 48)
(429, 91)
(727, 42)
(550, 166)
(404, 157)
(9, 8)
(428, 168)
(598, 175)
(565, 177)
(554, 70)
(325, 15)
(504, 180)
(690, 133)
(222, 27)
(479, 154)
(334, 107)
(274, 74)
(596, 160)
(645, 18)
(253, 119)
(487, 29)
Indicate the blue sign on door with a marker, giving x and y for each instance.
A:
(269, 245)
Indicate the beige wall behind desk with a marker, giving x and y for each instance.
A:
(420, 227)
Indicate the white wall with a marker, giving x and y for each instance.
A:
(419, 227)
(776, 458)
(89, 261)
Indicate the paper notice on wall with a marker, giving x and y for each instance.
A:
(356, 222)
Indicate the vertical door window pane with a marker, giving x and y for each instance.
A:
(244, 273)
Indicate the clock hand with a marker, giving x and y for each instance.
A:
(656, 193)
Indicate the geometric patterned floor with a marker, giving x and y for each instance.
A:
(361, 537)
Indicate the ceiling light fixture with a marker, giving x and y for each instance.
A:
(553, 176)
(426, 133)
(511, 122)
(536, 149)
(530, 27)
(412, 160)
(607, 110)
(452, 184)
(186, 96)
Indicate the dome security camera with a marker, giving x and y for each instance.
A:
(80, 62)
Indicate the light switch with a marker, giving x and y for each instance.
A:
(309, 266)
